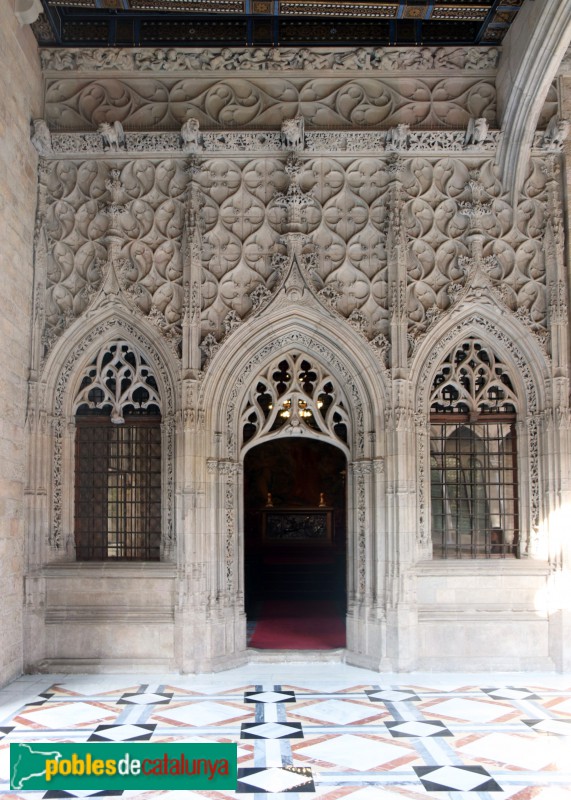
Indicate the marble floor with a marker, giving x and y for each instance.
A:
(326, 731)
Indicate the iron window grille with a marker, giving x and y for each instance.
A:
(473, 457)
(118, 457)
(118, 489)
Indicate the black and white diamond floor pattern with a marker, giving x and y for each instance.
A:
(510, 693)
(145, 698)
(122, 733)
(298, 739)
(417, 728)
(271, 696)
(275, 780)
(271, 730)
(557, 727)
(390, 695)
(456, 779)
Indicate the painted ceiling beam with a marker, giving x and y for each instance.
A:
(531, 54)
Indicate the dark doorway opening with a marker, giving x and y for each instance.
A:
(295, 545)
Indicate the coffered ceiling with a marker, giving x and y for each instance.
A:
(128, 23)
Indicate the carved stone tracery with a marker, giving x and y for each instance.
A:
(295, 395)
(471, 379)
(127, 219)
(118, 379)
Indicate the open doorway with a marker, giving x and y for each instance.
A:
(295, 544)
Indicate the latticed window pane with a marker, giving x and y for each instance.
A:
(118, 458)
(473, 488)
(118, 489)
(473, 464)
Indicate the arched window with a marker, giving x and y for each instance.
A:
(118, 459)
(473, 456)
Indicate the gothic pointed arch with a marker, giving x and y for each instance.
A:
(500, 330)
(87, 336)
(305, 335)
(301, 346)
(480, 391)
(111, 366)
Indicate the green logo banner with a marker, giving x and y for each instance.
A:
(125, 765)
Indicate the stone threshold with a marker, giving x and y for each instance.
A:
(255, 656)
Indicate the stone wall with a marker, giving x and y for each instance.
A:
(20, 97)
(371, 254)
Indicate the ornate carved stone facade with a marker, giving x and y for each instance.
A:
(300, 260)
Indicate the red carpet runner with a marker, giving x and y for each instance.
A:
(299, 625)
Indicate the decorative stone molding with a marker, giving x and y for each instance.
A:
(56, 534)
(268, 59)
(349, 141)
(158, 102)
(361, 469)
(168, 538)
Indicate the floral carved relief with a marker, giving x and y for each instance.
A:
(140, 207)
(453, 205)
(268, 59)
(129, 217)
(162, 102)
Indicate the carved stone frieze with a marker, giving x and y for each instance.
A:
(92, 143)
(162, 102)
(347, 141)
(269, 59)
